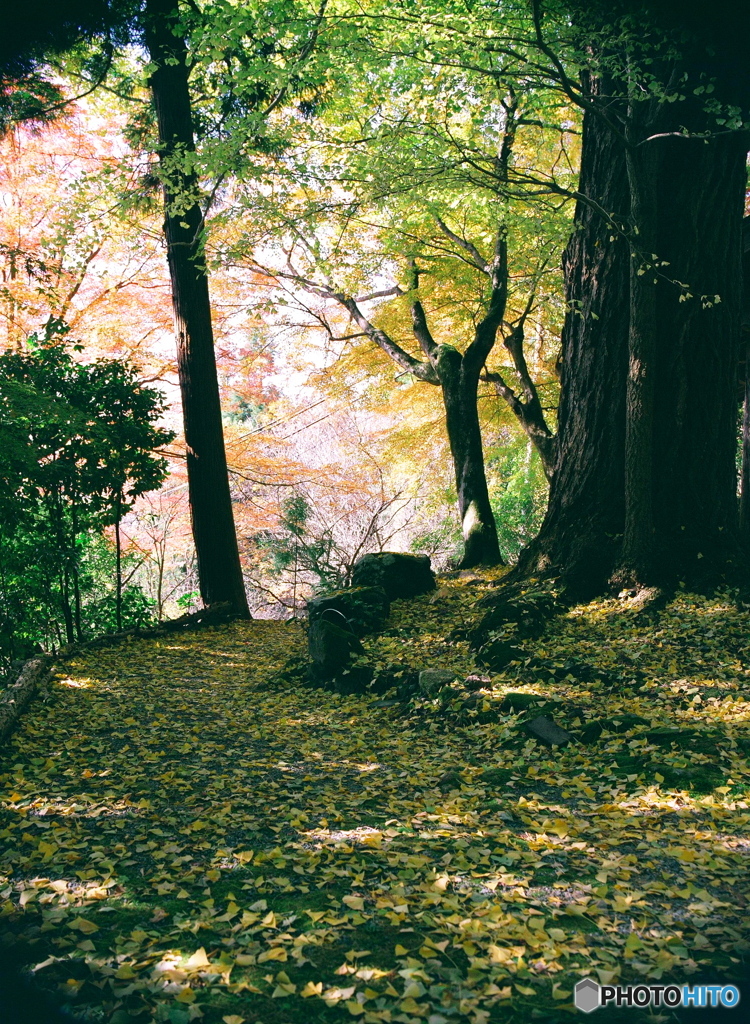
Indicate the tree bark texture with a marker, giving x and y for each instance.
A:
(636, 560)
(645, 484)
(701, 199)
(586, 502)
(219, 571)
(745, 384)
(478, 528)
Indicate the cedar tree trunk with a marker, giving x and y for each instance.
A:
(645, 484)
(586, 503)
(214, 533)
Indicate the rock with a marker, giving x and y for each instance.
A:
(529, 610)
(693, 739)
(400, 575)
(529, 621)
(479, 709)
(449, 780)
(476, 681)
(617, 723)
(498, 654)
(701, 779)
(545, 730)
(409, 687)
(432, 680)
(521, 701)
(355, 679)
(363, 609)
(394, 675)
(495, 776)
(331, 649)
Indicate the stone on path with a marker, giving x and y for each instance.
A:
(331, 649)
(545, 730)
(432, 680)
(399, 574)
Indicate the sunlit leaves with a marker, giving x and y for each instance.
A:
(279, 853)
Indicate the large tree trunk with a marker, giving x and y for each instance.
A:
(636, 560)
(459, 387)
(745, 384)
(586, 503)
(214, 533)
(701, 198)
(648, 403)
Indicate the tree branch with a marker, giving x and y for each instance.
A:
(421, 330)
(477, 260)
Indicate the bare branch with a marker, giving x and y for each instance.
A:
(477, 260)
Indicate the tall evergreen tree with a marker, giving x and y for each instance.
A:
(645, 485)
(219, 571)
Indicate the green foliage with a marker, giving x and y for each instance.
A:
(32, 598)
(76, 449)
(518, 493)
(298, 548)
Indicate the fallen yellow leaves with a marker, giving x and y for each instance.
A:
(197, 843)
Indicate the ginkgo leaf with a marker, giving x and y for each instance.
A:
(198, 960)
(83, 925)
(275, 953)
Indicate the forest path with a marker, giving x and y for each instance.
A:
(181, 841)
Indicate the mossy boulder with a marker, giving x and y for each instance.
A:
(685, 739)
(400, 575)
(495, 777)
(498, 654)
(517, 702)
(331, 651)
(700, 778)
(364, 608)
(616, 724)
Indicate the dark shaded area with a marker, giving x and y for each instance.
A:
(40, 28)
(21, 1002)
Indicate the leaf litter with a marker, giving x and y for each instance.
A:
(186, 836)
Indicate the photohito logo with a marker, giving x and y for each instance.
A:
(589, 995)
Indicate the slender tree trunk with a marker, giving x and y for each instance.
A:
(745, 470)
(465, 438)
(66, 609)
(77, 610)
(745, 380)
(118, 568)
(219, 572)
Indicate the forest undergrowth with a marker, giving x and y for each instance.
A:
(186, 837)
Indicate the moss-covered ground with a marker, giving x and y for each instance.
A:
(186, 836)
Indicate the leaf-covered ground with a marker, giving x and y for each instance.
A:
(185, 837)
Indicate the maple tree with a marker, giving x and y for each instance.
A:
(343, 221)
(71, 249)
